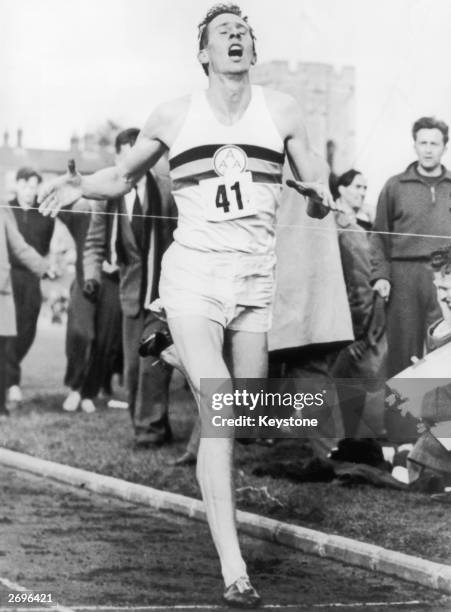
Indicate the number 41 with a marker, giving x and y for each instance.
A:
(222, 200)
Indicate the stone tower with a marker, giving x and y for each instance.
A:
(326, 96)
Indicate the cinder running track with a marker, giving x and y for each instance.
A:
(96, 553)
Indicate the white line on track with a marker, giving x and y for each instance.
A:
(267, 606)
(366, 604)
(18, 588)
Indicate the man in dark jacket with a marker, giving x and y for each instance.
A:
(414, 218)
(93, 339)
(133, 232)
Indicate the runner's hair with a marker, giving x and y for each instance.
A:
(220, 9)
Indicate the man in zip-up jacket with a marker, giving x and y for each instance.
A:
(414, 214)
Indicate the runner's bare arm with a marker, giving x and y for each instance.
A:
(310, 171)
(117, 180)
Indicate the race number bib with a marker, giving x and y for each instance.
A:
(228, 197)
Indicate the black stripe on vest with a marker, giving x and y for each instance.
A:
(193, 180)
(207, 151)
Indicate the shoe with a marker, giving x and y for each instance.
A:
(186, 459)
(241, 594)
(15, 394)
(87, 405)
(72, 401)
(119, 404)
(153, 344)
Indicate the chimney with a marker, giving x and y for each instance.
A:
(6, 138)
(19, 138)
(331, 149)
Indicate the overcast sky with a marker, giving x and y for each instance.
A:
(68, 65)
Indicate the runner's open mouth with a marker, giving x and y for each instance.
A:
(235, 51)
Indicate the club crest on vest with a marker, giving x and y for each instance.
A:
(229, 158)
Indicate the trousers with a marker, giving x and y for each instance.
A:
(147, 380)
(28, 300)
(412, 307)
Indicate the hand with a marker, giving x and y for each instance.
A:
(60, 192)
(91, 290)
(317, 192)
(157, 308)
(357, 349)
(382, 287)
(403, 406)
(424, 425)
(376, 325)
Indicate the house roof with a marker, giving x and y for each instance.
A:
(52, 161)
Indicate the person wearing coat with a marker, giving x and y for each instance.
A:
(359, 369)
(93, 338)
(311, 320)
(12, 241)
(412, 219)
(133, 232)
(37, 232)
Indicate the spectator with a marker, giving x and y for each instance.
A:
(37, 232)
(354, 195)
(439, 333)
(361, 365)
(133, 235)
(436, 405)
(412, 206)
(433, 408)
(93, 339)
(312, 320)
(11, 240)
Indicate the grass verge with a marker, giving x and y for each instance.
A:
(102, 442)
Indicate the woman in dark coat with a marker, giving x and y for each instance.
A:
(360, 367)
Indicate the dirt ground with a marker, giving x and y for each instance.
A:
(89, 550)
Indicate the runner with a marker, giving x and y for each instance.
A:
(226, 148)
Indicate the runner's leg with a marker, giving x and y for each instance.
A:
(247, 353)
(199, 342)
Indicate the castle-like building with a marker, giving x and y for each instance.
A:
(327, 98)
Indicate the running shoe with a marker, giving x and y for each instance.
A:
(241, 594)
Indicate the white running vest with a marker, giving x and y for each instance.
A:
(227, 180)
